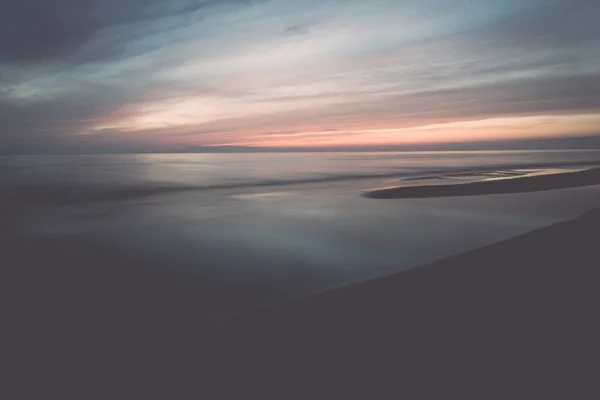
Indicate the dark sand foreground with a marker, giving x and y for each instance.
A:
(514, 320)
(516, 185)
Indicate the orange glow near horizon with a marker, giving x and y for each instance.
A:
(301, 74)
(490, 129)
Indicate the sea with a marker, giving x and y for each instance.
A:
(294, 222)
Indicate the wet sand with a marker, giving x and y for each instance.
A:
(502, 186)
(515, 320)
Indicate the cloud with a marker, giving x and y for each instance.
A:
(282, 133)
(83, 74)
(538, 97)
(551, 24)
(40, 30)
(296, 30)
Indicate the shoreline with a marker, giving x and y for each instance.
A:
(514, 319)
(523, 184)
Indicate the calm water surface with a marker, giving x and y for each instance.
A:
(295, 222)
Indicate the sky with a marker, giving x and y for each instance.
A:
(171, 75)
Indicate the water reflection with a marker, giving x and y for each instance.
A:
(294, 239)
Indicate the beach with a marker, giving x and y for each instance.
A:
(515, 319)
(517, 183)
(511, 320)
(299, 200)
(85, 319)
